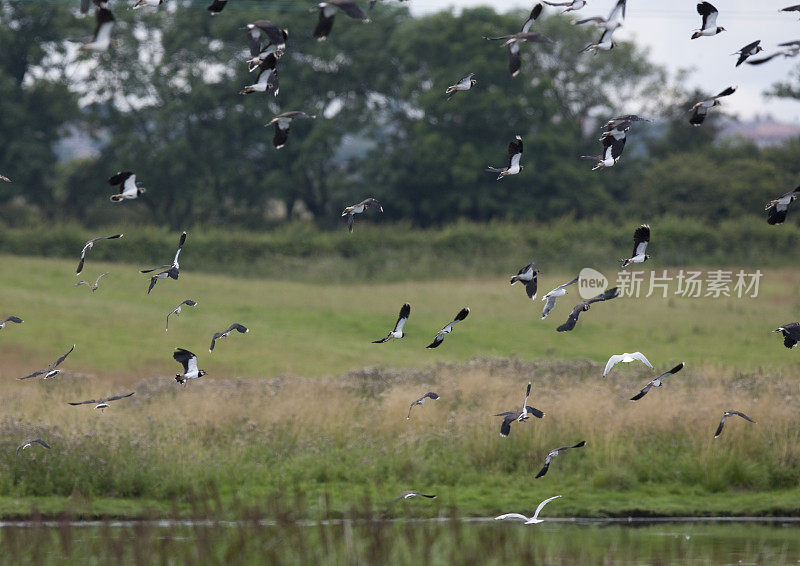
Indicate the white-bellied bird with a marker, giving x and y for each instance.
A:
(528, 520)
(778, 208)
(791, 49)
(626, 358)
(50, 371)
(528, 276)
(791, 333)
(128, 187)
(519, 416)
(514, 155)
(614, 20)
(641, 237)
(405, 312)
(267, 79)
(701, 108)
(657, 382)
(555, 452)
(439, 338)
(421, 400)
(464, 83)
(164, 271)
(103, 403)
(727, 414)
(550, 298)
(612, 151)
(89, 245)
(351, 211)
(177, 310)
(327, 12)
(282, 123)
(189, 362)
(240, 328)
(584, 306)
(92, 286)
(709, 26)
(264, 35)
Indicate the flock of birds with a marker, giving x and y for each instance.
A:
(268, 43)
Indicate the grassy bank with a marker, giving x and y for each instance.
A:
(382, 252)
(305, 405)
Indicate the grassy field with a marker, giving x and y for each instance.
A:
(305, 405)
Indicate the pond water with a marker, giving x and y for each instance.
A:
(468, 541)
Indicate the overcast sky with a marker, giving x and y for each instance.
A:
(665, 27)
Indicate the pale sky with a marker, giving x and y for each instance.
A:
(665, 28)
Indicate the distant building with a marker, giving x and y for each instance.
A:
(764, 131)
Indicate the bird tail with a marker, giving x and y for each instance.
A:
(696, 34)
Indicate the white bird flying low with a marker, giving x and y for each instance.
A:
(89, 245)
(128, 187)
(50, 371)
(405, 312)
(439, 338)
(641, 237)
(657, 381)
(240, 328)
(551, 296)
(626, 358)
(421, 400)
(701, 108)
(727, 414)
(527, 276)
(555, 452)
(103, 403)
(464, 83)
(177, 310)
(778, 208)
(189, 362)
(351, 211)
(709, 26)
(528, 520)
(514, 155)
(612, 22)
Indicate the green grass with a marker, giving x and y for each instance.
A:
(305, 404)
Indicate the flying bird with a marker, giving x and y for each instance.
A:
(584, 306)
(275, 38)
(791, 333)
(748, 51)
(527, 276)
(657, 382)
(795, 8)
(551, 296)
(101, 39)
(4, 178)
(464, 83)
(514, 155)
(792, 48)
(405, 312)
(626, 358)
(553, 453)
(327, 11)
(614, 20)
(128, 187)
(700, 109)
(528, 520)
(267, 79)
(27, 444)
(92, 286)
(89, 245)
(622, 123)
(241, 329)
(282, 123)
(727, 414)
(409, 495)
(177, 310)
(605, 43)
(189, 362)
(421, 400)
(612, 151)
(569, 5)
(151, 3)
(519, 416)
(641, 237)
(103, 403)
(439, 338)
(778, 208)
(514, 40)
(50, 371)
(12, 318)
(351, 211)
(217, 6)
(165, 271)
(709, 26)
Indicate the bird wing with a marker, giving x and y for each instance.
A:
(606, 295)
(107, 399)
(537, 9)
(568, 284)
(120, 177)
(34, 374)
(13, 318)
(214, 340)
(612, 361)
(534, 37)
(350, 8)
(438, 339)
(548, 306)
(643, 392)
(511, 516)
(617, 14)
(719, 428)
(641, 357)
(527, 394)
(761, 60)
(534, 411)
(673, 371)
(405, 312)
(617, 145)
(505, 426)
(99, 277)
(182, 357)
(544, 469)
(542, 504)
(237, 327)
(727, 92)
(531, 287)
(86, 402)
(592, 20)
(159, 268)
(641, 237)
(572, 320)
(62, 358)
(709, 14)
(745, 417)
(699, 113)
